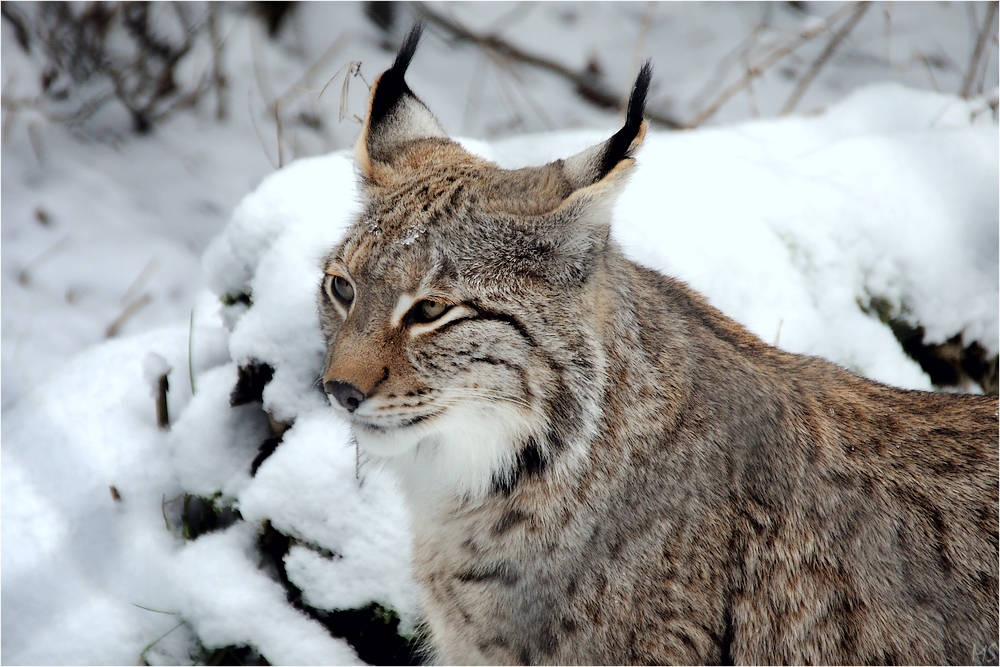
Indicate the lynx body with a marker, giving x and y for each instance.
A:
(601, 467)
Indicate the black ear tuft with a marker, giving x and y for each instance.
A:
(392, 86)
(406, 51)
(619, 144)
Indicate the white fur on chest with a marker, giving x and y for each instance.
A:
(456, 454)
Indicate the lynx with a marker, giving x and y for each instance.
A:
(602, 468)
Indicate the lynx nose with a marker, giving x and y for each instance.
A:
(347, 395)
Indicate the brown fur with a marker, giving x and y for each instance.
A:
(671, 489)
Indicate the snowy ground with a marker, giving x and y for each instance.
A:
(785, 224)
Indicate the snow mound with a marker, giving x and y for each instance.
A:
(794, 227)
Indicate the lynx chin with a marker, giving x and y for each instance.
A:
(602, 468)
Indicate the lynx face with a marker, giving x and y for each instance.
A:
(424, 361)
(456, 309)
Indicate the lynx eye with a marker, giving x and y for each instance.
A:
(428, 310)
(338, 288)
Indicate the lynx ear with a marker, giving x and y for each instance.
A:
(395, 115)
(596, 163)
(580, 226)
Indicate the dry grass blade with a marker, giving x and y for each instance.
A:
(823, 58)
(353, 70)
(977, 52)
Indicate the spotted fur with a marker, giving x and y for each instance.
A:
(601, 467)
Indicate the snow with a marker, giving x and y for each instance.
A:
(785, 224)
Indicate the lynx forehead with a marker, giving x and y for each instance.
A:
(602, 468)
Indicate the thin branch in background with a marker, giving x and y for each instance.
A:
(981, 85)
(721, 67)
(776, 55)
(640, 43)
(17, 23)
(127, 314)
(10, 107)
(260, 78)
(140, 280)
(977, 52)
(518, 85)
(506, 95)
(218, 77)
(750, 42)
(473, 102)
(278, 133)
(751, 96)
(824, 57)
(588, 86)
(37, 147)
(511, 17)
(887, 33)
(191, 353)
(300, 84)
(24, 277)
(929, 68)
(260, 138)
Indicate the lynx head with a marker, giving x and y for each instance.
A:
(459, 310)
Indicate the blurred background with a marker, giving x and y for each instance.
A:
(130, 130)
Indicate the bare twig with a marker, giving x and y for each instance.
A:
(828, 52)
(977, 52)
(588, 86)
(776, 55)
